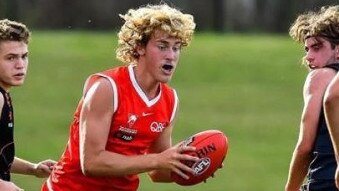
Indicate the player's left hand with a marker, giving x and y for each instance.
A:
(44, 168)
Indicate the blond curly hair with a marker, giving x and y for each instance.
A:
(141, 23)
(327, 24)
(13, 31)
(302, 26)
(324, 23)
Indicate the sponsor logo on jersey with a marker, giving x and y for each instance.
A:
(144, 114)
(126, 134)
(131, 120)
(157, 127)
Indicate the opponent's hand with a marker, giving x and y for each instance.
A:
(44, 168)
(172, 157)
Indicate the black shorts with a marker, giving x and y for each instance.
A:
(320, 186)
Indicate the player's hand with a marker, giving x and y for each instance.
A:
(9, 186)
(44, 168)
(171, 159)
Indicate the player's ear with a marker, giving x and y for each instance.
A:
(140, 49)
(337, 51)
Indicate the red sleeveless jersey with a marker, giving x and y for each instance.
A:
(137, 122)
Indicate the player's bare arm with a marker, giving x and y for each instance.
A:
(41, 169)
(331, 107)
(314, 88)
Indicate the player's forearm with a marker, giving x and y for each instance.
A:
(21, 166)
(112, 164)
(331, 113)
(160, 175)
(298, 170)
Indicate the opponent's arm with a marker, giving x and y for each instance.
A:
(314, 88)
(331, 107)
(20, 166)
(95, 121)
(41, 169)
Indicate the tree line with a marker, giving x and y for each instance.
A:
(210, 15)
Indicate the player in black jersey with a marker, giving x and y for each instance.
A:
(14, 38)
(331, 99)
(314, 156)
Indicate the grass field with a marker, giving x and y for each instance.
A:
(248, 86)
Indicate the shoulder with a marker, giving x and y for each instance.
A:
(100, 85)
(104, 79)
(115, 72)
(318, 79)
(168, 90)
(99, 95)
(321, 74)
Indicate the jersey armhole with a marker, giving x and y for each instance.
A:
(114, 88)
(175, 106)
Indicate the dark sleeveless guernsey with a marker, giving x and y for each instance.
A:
(6, 136)
(323, 164)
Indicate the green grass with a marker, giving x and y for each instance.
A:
(248, 86)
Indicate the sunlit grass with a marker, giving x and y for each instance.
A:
(248, 86)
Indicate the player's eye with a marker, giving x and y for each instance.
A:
(176, 48)
(25, 56)
(162, 47)
(10, 58)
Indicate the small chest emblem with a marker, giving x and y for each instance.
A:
(127, 133)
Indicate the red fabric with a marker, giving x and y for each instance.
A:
(135, 126)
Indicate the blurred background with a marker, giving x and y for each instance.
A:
(242, 74)
(210, 15)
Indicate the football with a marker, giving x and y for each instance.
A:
(211, 149)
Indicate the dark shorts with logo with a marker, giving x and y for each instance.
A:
(320, 186)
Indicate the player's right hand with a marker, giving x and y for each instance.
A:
(172, 157)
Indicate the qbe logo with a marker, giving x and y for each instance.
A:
(157, 127)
